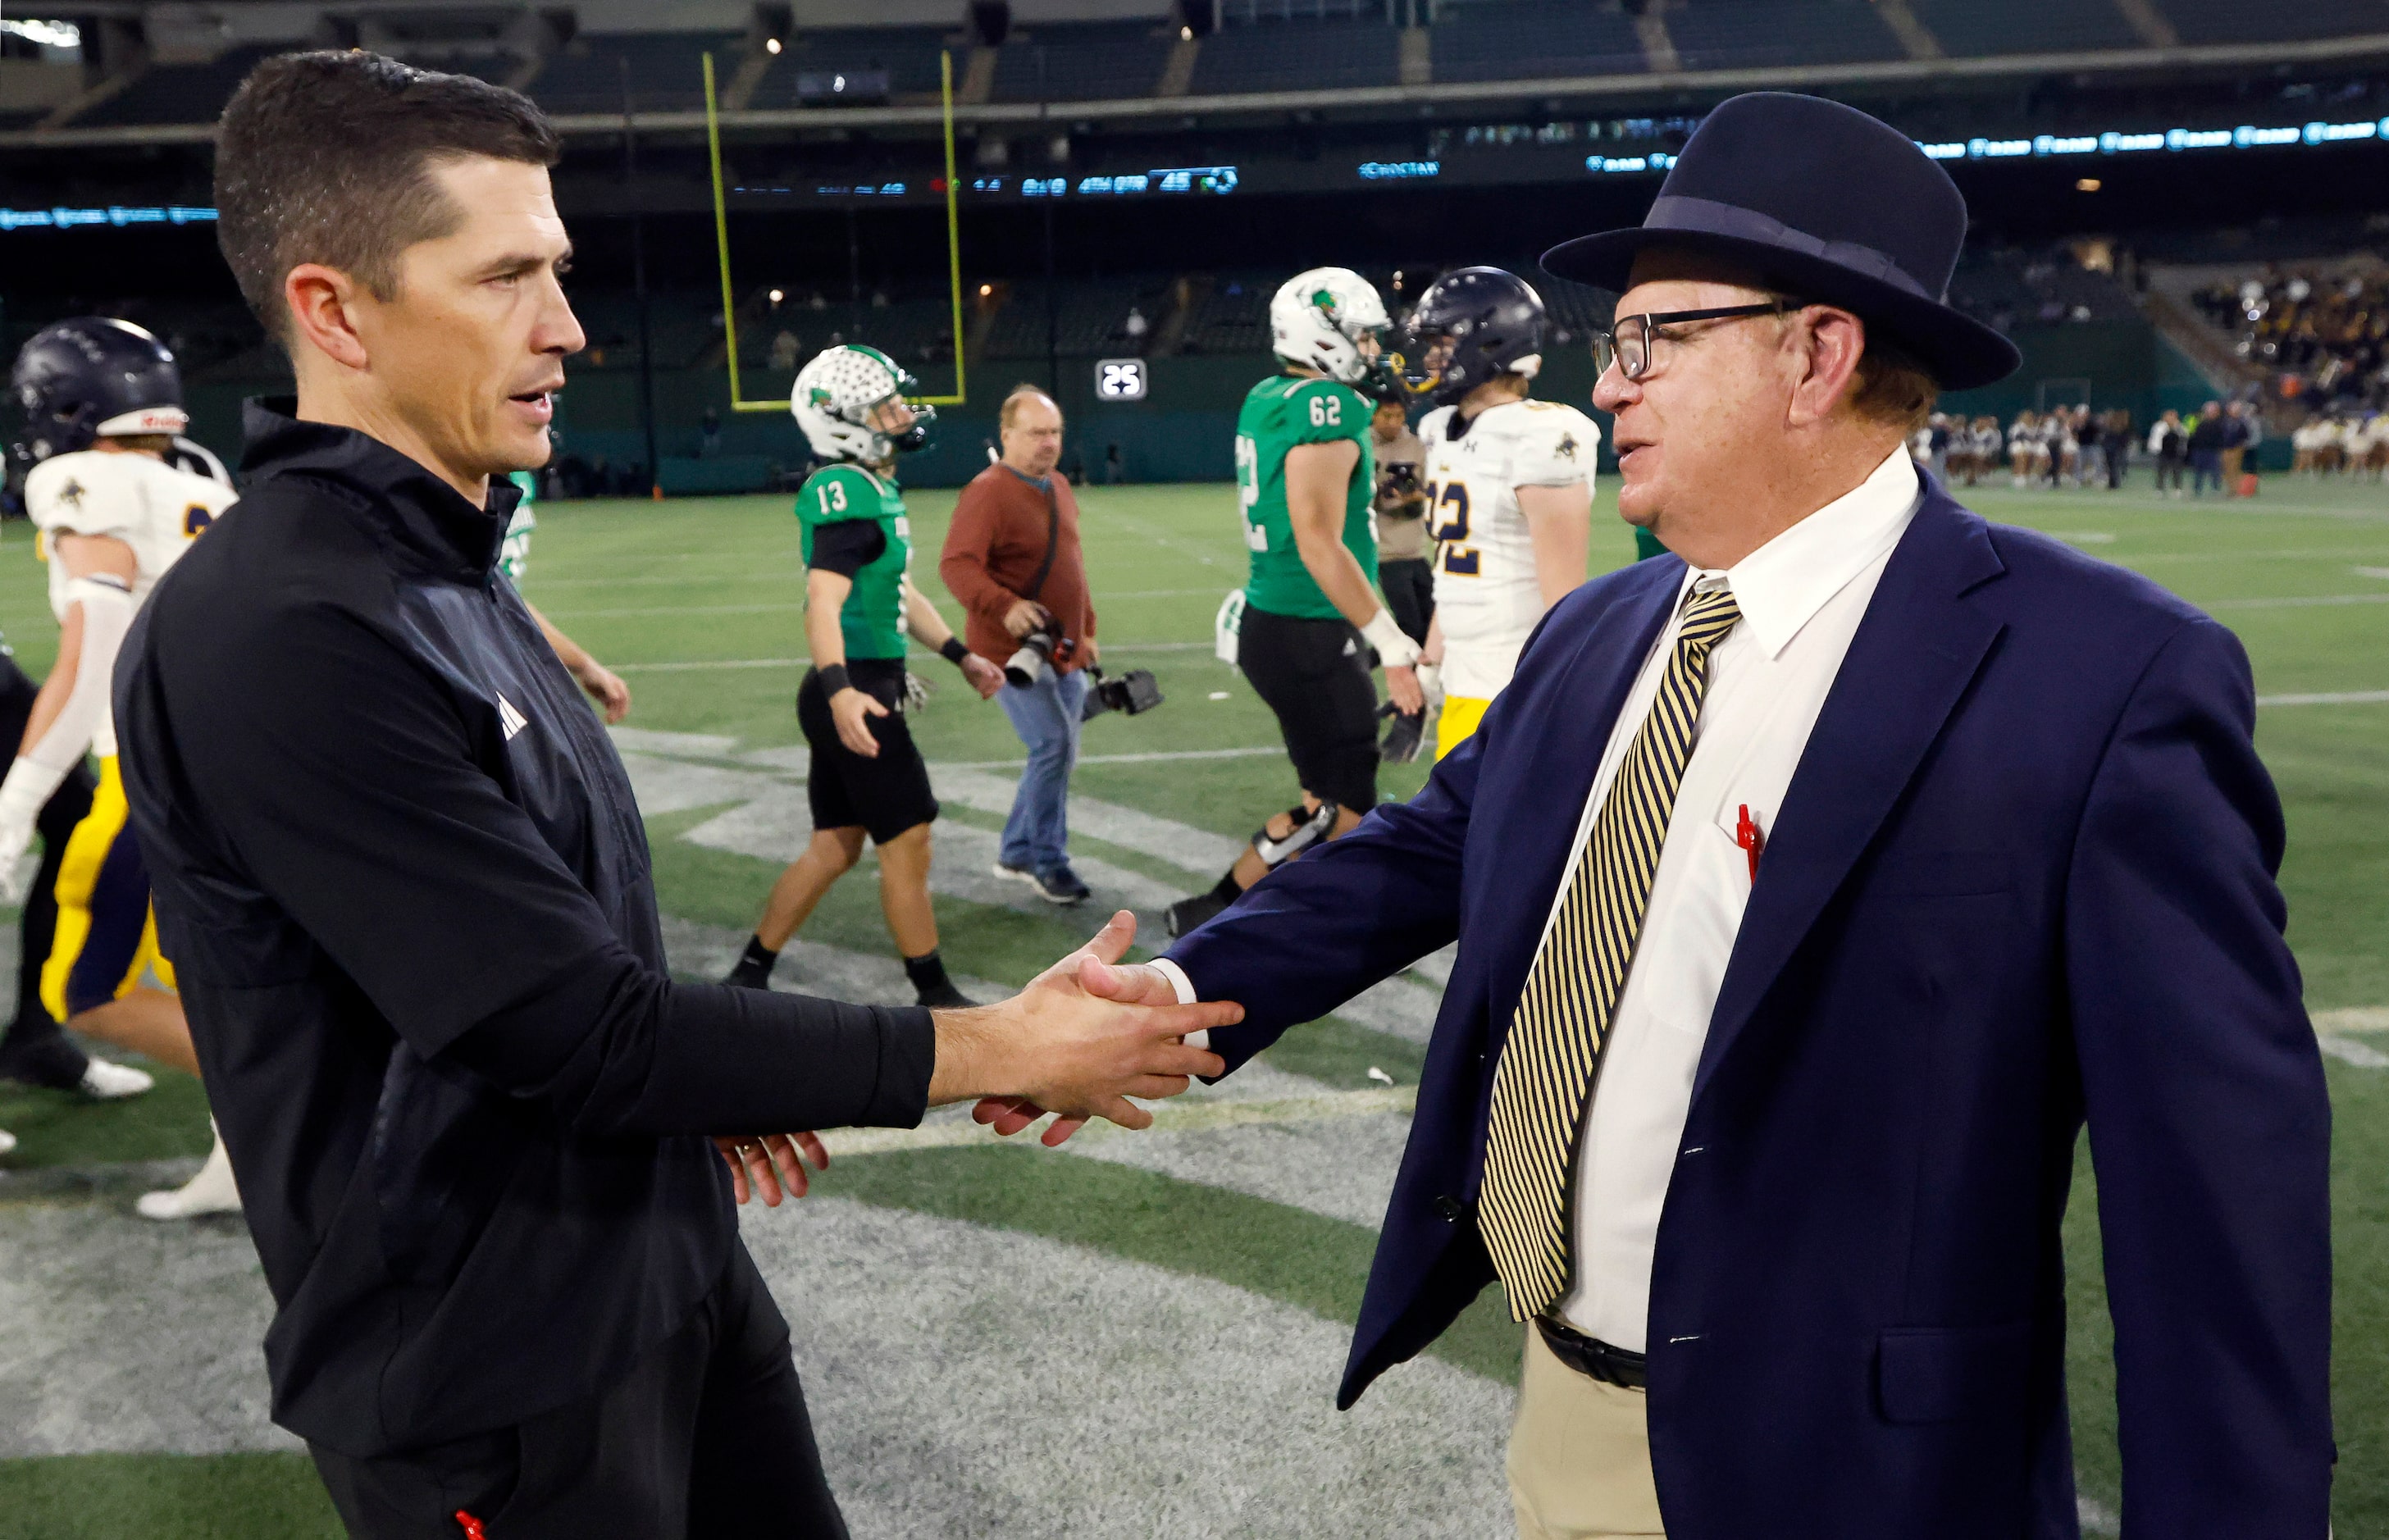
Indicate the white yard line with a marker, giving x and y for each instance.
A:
(2300, 601)
(1169, 1117)
(2328, 698)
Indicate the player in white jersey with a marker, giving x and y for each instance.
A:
(102, 403)
(605, 686)
(1509, 484)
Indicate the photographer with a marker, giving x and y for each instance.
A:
(1404, 569)
(1011, 557)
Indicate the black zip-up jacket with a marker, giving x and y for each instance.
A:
(406, 891)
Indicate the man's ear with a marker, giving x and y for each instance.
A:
(323, 304)
(1832, 340)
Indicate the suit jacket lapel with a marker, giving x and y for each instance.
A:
(1915, 651)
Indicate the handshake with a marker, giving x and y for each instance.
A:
(1084, 1036)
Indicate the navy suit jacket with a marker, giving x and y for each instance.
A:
(2023, 873)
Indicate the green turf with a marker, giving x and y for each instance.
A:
(1303, 1259)
(709, 580)
(165, 1497)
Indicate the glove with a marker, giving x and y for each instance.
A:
(15, 837)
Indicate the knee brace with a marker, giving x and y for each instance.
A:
(1308, 829)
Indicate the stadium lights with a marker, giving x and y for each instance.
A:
(770, 45)
(778, 295)
(116, 217)
(2086, 184)
(2245, 136)
(46, 34)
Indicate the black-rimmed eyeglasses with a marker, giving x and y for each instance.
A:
(1628, 343)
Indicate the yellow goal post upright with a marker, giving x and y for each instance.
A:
(738, 402)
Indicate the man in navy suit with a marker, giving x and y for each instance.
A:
(1813, 886)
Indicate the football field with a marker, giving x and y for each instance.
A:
(1139, 1334)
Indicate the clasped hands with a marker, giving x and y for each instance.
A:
(1083, 1037)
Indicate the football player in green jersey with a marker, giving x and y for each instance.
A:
(1311, 615)
(868, 777)
(605, 686)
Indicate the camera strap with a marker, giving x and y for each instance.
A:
(1052, 543)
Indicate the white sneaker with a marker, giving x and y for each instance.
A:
(7, 1141)
(105, 1082)
(1015, 873)
(211, 1191)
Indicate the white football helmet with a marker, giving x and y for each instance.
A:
(1319, 317)
(836, 393)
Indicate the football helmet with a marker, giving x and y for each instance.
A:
(1318, 318)
(91, 377)
(838, 391)
(1471, 325)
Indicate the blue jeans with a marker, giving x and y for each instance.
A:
(1046, 716)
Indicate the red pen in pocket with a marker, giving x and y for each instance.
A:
(1748, 835)
(472, 1526)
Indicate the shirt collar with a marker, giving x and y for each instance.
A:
(414, 509)
(1781, 585)
(1042, 483)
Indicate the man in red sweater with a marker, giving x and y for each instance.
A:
(1011, 557)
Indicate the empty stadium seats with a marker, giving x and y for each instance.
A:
(1296, 56)
(1081, 62)
(1505, 39)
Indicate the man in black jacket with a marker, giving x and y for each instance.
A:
(401, 871)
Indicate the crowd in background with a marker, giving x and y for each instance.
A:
(2065, 446)
(2327, 336)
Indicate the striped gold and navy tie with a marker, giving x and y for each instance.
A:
(1546, 1067)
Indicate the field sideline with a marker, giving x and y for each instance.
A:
(1140, 1335)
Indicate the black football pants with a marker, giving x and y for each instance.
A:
(707, 1439)
(33, 1049)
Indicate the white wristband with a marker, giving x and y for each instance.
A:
(27, 789)
(1395, 649)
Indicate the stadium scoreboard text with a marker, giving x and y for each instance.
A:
(1120, 379)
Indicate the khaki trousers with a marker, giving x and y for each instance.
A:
(1579, 1455)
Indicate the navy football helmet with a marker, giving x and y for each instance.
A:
(1469, 326)
(79, 379)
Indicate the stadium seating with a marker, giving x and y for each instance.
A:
(907, 56)
(179, 92)
(2226, 22)
(1967, 28)
(2324, 325)
(1741, 34)
(1233, 317)
(1298, 56)
(1507, 38)
(665, 71)
(1090, 319)
(1062, 63)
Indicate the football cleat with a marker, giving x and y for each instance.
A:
(1184, 917)
(105, 1082)
(211, 1191)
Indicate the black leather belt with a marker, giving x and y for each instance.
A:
(1610, 1365)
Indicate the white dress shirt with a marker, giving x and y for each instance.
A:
(1802, 595)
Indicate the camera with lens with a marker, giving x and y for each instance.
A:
(1039, 652)
(1133, 691)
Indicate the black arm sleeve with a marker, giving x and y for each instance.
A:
(349, 792)
(848, 546)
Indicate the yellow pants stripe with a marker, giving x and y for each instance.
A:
(79, 874)
(1460, 717)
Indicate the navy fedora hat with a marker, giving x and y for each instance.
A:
(1826, 204)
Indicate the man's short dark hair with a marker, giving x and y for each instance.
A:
(326, 157)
